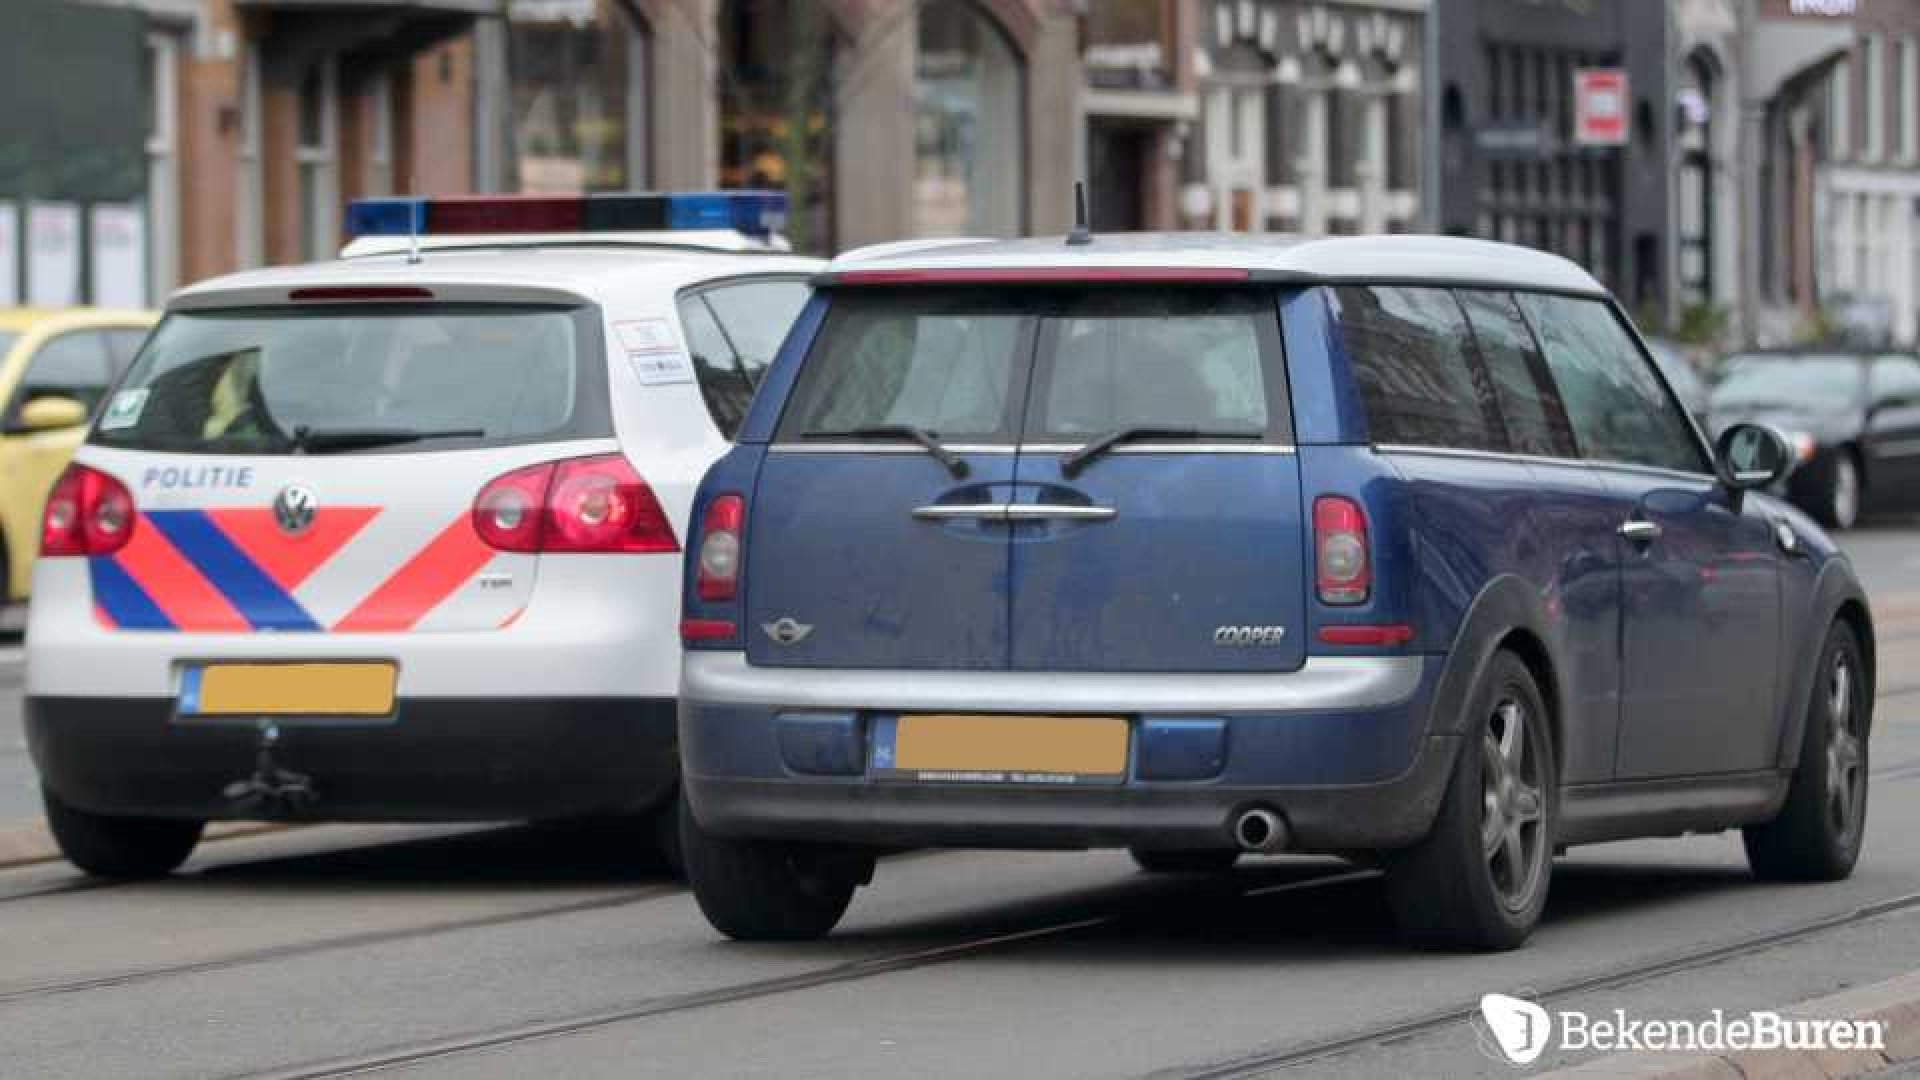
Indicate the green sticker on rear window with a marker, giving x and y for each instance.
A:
(124, 410)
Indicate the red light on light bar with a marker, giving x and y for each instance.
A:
(512, 214)
(362, 292)
(1352, 634)
(1048, 275)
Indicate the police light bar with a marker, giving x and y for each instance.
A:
(755, 213)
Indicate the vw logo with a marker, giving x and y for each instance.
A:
(293, 509)
(787, 630)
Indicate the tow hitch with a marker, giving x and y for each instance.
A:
(271, 788)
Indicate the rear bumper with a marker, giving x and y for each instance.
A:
(497, 759)
(1341, 749)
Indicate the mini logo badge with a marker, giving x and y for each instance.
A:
(293, 509)
(1520, 1028)
(787, 630)
(1243, 636)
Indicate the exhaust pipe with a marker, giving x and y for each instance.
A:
(1260, 831)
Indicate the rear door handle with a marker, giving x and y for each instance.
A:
(1014, 512)
(1642, 531)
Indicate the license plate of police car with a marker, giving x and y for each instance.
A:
(288, 689)
(1000, 749)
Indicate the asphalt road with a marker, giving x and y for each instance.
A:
(507, 952)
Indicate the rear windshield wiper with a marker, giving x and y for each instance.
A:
(1073, 463)
(307, 440)
(927, 439)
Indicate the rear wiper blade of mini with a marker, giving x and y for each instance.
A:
(307, 440)
(1071, 464)
(928, 441)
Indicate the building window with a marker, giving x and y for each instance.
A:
(577, 72)
(318, 114)
(969, 132)
(163, 163)
(1694, 125)
(1129, 45)
(1840, 112)
(776, 108)
(1906, 115)
(379, 129)
(251, 234)
(1874, 145)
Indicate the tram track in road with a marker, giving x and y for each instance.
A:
(426, 1051)
(277, 953)
(1298, 1055)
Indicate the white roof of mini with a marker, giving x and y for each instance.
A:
(1396, 258)
(556, 271)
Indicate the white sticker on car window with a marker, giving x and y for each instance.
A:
(654, 351)
(646, 335)
(125, 409)
(660, 368)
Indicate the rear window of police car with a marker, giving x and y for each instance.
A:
(387, 380)
(959, 363)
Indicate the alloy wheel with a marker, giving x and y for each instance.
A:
(1513, 807)
(1846, 759)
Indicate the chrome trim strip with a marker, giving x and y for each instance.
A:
(1013, 511)
(1536, 459)
(884, 448)
(1895, 448)
(1325, 682)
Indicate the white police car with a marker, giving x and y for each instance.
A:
(395, 537)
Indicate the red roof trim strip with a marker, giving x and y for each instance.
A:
(1059, 275)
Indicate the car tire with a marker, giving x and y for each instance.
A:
(768, 890)
(127, 848)
(1817, 834)
(1841, 492)
(1479, 879)
(1185, 861)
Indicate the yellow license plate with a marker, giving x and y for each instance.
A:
(964, 748)
(325, 689)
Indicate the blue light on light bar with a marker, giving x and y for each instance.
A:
(754, 213)
(386, 217)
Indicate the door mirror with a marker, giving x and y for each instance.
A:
(52, 412)
(1752, 456)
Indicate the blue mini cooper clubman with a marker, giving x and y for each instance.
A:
(1394, 547)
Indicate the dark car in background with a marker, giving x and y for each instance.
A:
(1852, 417)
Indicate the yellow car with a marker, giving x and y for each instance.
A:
(55, 368)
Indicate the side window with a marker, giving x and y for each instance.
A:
(727, 389)
(755, 316)
(1414, 362)
(1618, 407)
(74, 365)
(1896, 379)
(1536, 418)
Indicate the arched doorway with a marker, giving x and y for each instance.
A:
(969, 124)
(776, 83)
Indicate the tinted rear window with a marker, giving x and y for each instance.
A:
(960, 362)
(246, 381)
(935, 359)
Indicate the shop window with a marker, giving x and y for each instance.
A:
(969, 132)
(776, 108)
(577, 71)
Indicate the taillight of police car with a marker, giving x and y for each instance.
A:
(580, 505)
(1343, 569)
(88, 513)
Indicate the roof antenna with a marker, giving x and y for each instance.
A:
(415, 213)
(1082, 232)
